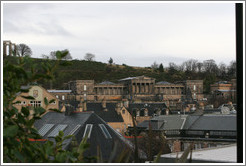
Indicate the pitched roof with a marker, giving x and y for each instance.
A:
(97, 137)
(152, 107)
(212, 122)
(107, 83)
(171, 122)
(109, 116)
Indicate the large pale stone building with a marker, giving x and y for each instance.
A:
(137, 89)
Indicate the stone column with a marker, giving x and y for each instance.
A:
(15, 48)
(133, 88)
(10, 49)
(4, 49)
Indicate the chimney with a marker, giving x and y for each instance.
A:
(118, 108)
(167, 111)
(104, 104)
(85, 106)
(126, 103)
(80, 105)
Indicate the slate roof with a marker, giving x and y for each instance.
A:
(163, 83)
(192, 122)
(170, 122)
(97, 137)
(106, 83)
(211, 122)
(152, 107)
(109, 116)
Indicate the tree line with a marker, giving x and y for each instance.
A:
(196, 67)
(207, 70)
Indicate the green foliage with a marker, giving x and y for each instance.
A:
(110, 61)
(18, 130)
(19, 135)
(161, 69)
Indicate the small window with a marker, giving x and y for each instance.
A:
(123, 111)
(88, 130)
(84, 96)
(35, 103)
(194, 87)
(84, 87)
(24, 103)
(57, 96)
(105, 131)
(63, 97)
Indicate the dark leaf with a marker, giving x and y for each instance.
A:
(28, 97)
(46, 101)
(10, 131)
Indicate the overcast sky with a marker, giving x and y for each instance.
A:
(136, 34)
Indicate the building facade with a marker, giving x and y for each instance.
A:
(225, 90)
(135, 89)
(39, 94)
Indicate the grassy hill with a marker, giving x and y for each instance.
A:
(98, 71)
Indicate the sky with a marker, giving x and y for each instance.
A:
(136, 34)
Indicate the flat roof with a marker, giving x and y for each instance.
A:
(223, 154)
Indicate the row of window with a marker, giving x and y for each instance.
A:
(104, 130)
(46, 128)
(34, 103)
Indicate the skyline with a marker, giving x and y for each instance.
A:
(136, 34)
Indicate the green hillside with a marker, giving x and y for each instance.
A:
(91, 70)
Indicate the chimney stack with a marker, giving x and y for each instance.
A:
(104, 104)
(80, 105)
(118, 107)
(167, 111)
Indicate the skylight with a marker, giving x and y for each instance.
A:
(58, 128)
(74, 130)
(105, 131)
(43, 130)
(88, 130)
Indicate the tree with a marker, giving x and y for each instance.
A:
(232, 69)
(222, 70)
(154, 66)
(18, 125)
(23, 50)
(161, 69)
(110, 61)
(53, 55)
(89, 57)
(210, 66)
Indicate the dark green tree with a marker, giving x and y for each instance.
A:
(110, 61)
(161, 69)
